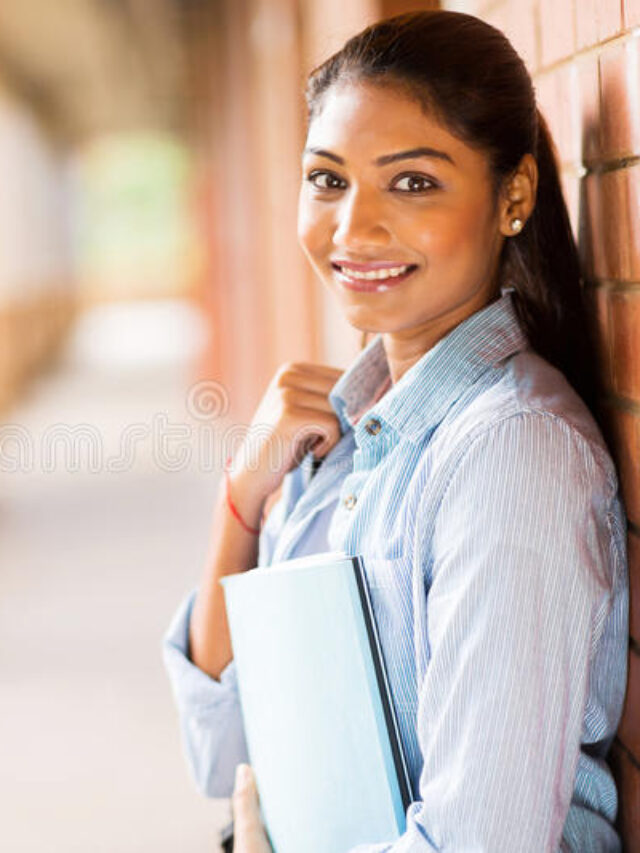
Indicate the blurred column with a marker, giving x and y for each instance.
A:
(294, 303)
(36, 299)
(249, 64)
(233, 289)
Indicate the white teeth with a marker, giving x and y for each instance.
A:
(371, 275)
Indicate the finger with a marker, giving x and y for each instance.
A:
(249, 833)
(244, 778)
(310, 368)
(304, 382)
(317, 432)
(246, 811)
(302, 398)
(307, 382)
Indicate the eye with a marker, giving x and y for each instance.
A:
(414, 183)
(323, 180)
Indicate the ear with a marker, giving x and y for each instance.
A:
(518, 197)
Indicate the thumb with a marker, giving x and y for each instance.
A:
(248, 831)
(246, 810)
(244, 779)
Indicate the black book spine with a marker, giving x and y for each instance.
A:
(383, 684)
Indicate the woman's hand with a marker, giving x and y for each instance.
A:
(294, 416)
(248, 832)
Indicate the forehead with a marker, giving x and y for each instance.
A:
(361, 119)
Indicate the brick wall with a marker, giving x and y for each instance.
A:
(36, 296)
(584, 56)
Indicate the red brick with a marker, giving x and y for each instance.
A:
(625, 435)
(586, 23)
(629, 730)
(631, 12)
(620, 117)
(598, 306)
(548, 100)
(632, 236)
(569, 98)
(633, 546)
(522, 28)
(627, 776)
(590, 242)
(558, 95)
(615, 226)
(589, 107)
(609, 18)
(388, 8)
(557, 30)
(497, 17)
(571, 191)
(545, 86)
(597, 20)
(625, 342)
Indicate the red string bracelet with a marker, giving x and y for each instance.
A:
(234, 510)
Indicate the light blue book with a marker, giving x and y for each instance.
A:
(319, 721)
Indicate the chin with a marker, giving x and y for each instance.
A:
(364, 322)
(363, 317)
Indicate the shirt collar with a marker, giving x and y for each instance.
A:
(422, 396)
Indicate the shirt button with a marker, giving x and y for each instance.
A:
(373, 426)
(350, 501)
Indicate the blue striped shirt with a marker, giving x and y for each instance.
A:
(483, 499)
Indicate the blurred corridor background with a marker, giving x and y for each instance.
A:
(150, 284)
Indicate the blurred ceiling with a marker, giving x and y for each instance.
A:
(94, 66)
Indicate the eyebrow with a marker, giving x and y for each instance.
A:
(423, 151)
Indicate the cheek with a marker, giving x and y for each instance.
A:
(314, 231)
(456, 232)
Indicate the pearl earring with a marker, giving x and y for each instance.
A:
(516, 224)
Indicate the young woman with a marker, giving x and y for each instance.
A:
(459, 454)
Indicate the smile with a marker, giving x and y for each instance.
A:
(379, 279)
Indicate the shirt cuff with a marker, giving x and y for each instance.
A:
(194, 690)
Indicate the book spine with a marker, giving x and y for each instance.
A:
(383, 684)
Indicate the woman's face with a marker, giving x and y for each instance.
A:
(396, 214)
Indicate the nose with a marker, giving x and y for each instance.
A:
(361, 221)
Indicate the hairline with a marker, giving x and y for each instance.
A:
(419, 93)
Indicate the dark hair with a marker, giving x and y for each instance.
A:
(467, 74)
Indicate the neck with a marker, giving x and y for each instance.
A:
(403, 352)
(407, 346)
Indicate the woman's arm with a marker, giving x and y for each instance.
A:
(527, 579)
(197, 649)
(294, 415)
(233, 549)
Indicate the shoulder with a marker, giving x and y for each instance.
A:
(526, 410)
(523, 470)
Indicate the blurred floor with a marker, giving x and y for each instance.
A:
(92, 565)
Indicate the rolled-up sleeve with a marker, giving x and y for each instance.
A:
(517, 597)
(209, 711)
